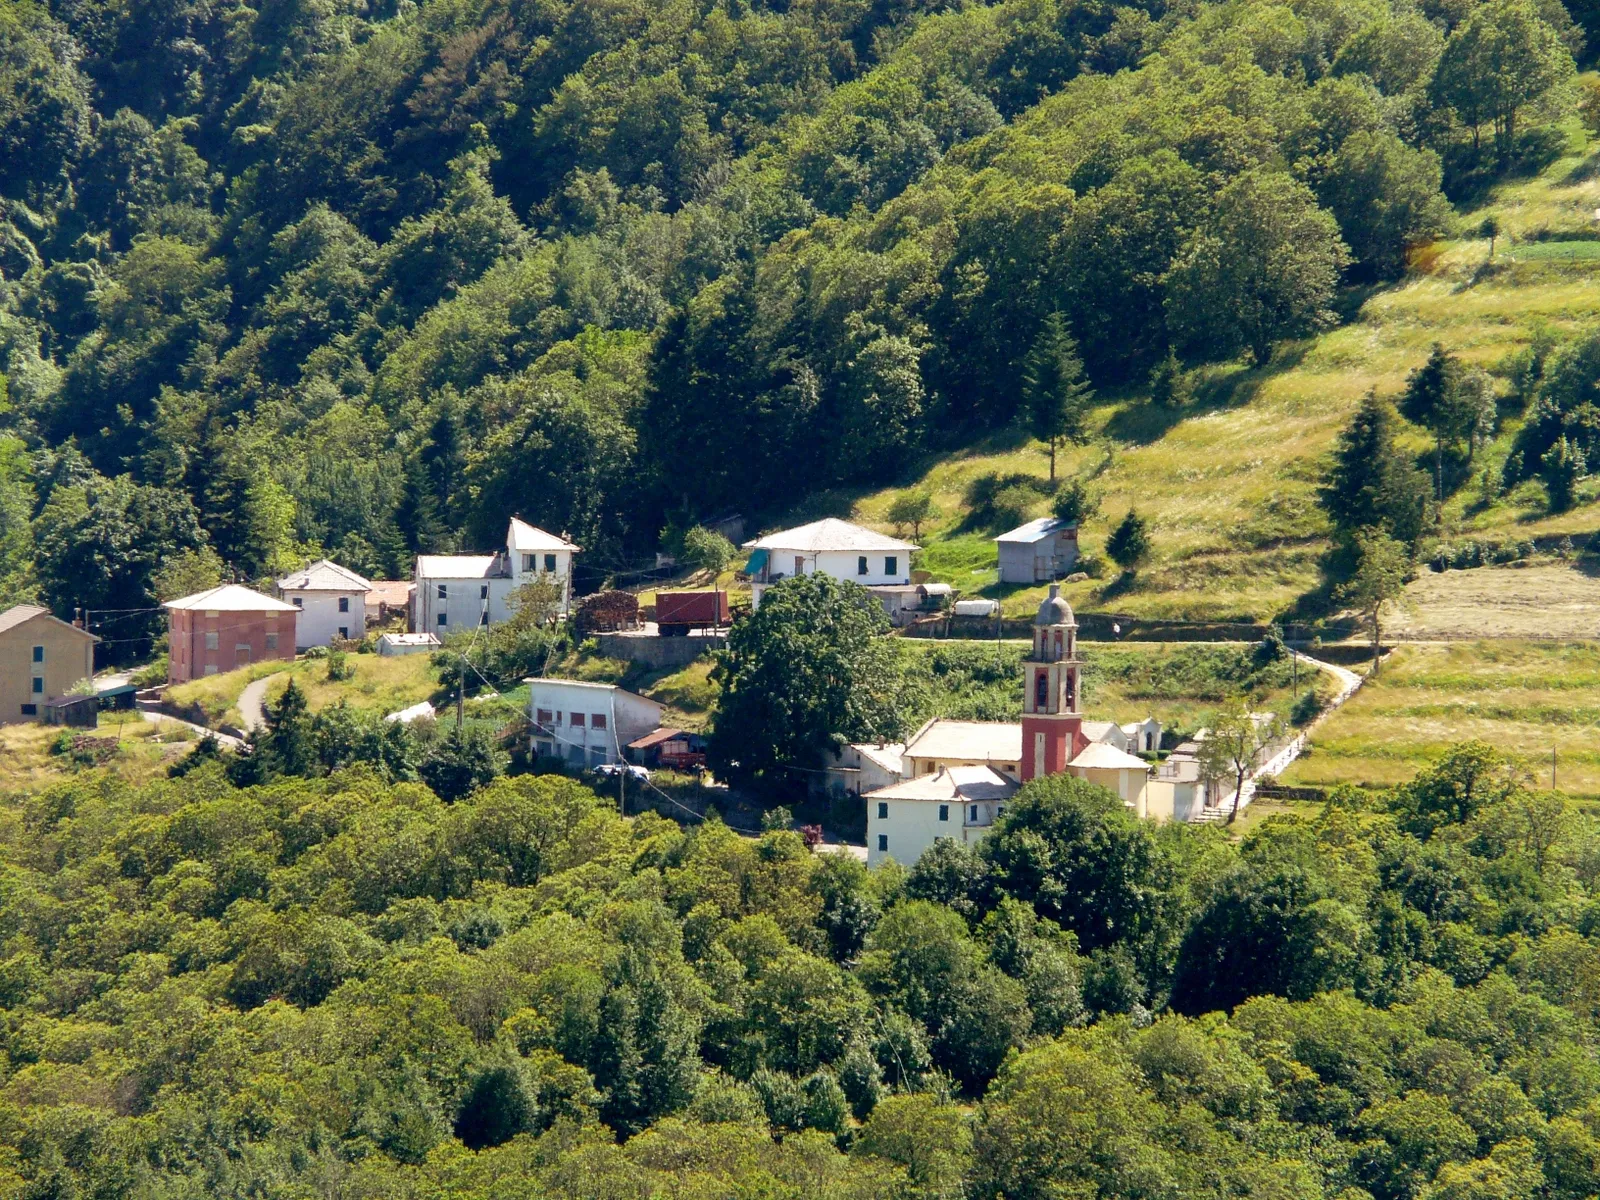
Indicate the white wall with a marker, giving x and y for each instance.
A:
(627, 717)
(918, 765)
(522, 572)
(462, 604)
(320, 620)
(912, 826)
(841, 564)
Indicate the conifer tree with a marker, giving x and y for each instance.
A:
(1055, 393)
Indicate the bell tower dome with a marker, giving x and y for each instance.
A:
(1052, 726)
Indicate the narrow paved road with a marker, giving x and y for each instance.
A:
(160, 718)
(252, 715)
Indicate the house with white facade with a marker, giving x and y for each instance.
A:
(587, 724)
(455, 592)
(830, 547)
(960, 803)
(332, 601)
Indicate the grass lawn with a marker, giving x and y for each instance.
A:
(1525, 697)
(1545, 600)
(1228, 484)
(386, 684)
(214, 696)
(143, 750)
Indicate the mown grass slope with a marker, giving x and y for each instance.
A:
(1229, 482)
(1524, 697)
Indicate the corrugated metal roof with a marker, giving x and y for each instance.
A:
(830, 533)
(1036, 531)
(230, 597)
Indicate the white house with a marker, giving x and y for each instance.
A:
(587, 724)
(864, 767)
(832, 547)
(961, 803)
(332, 601)
(1039, 551)
(458, 591)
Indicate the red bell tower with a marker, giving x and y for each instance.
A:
(1052, 726)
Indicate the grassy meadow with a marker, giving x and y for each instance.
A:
(1229, 483)
(1526, 697)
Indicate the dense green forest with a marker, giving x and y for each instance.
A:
(343, 987)
(324, 276)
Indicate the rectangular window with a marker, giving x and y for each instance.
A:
(545, 716)
(545, 749)
(344, 632)
(799, 565)
(598, 721)
(891, 566)
(211, 668)
(272, 640)
(483, 618)
(299, 602)
(30, 710)
(974, 813)
(483, 592)
(344, 603)
(549, 562)
(443, 592)
(211, 641)
(38, 654)
(883, 810)
(444, 620)
(38, 685)
(883, 842)
(577, 720)
(861, 565)
(528, 561)
(1000, 810)
(944, 812)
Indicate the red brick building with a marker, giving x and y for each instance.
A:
(224, 628)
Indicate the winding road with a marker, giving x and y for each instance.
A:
(252, 710)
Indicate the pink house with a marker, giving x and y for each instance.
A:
(223, 628)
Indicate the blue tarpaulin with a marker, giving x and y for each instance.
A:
(758, 560)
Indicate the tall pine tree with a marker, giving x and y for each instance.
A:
(1372, 485)
(1055, 393)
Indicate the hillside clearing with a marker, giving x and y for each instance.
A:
(1556, 601)
(1523, 697)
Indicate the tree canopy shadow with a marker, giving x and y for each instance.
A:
(1225, 386)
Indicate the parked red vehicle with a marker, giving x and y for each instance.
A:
(679, 612)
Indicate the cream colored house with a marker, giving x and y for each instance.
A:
(960, 803)
(41, 657)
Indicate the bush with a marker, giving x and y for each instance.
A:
(340, 667)
(1129, 543)
(707, 550)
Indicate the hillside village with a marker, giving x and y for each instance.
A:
(983, 600)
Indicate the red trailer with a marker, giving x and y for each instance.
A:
(679, 612)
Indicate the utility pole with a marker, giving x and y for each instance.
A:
(622, 788)
(461, 693)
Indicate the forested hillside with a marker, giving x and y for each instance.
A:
(345, 987)
(367, 279)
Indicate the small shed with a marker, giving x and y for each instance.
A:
(976, 608)
(1039, 551)
(935, 595)
(79, 711)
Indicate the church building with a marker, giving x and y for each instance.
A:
(956, 776)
